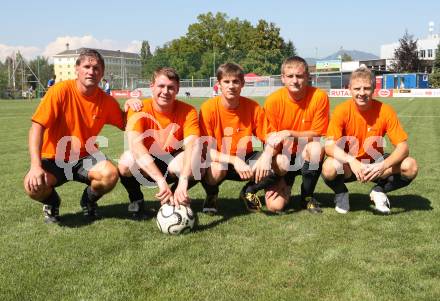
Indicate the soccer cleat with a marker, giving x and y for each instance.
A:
(210, 204)
(251, 200)
(51, 214)
(137, 208)
(380, 200)
(90, 210)
(342, 203)
(312, 205)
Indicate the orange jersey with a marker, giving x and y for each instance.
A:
(233, 128)
(367, 127)
(65, 112)
(309, 114)
(164, 133)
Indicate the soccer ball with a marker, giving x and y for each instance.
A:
(173, 220)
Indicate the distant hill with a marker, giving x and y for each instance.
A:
(355, 54)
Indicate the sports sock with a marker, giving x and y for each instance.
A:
(89, 196)
(337, 184)
(394, 182)
(309, 179)
(133, 188)
(210, 189)
(264, 183)
(289, 178)
(53, 199)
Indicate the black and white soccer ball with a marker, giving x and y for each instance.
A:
(175, 220)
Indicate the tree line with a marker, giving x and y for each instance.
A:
(215, 39)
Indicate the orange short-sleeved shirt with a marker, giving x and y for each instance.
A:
(367, 127)
(309, 114)
(65, 112)
(164, 133)
(233, 128)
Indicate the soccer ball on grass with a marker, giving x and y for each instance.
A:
(175, 220)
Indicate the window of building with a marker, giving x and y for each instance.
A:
(422, 53)
(429, 52)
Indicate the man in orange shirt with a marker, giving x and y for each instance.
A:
(157, 136)
(63, 137)
(299, 113)
(229, 122)
(355, 146)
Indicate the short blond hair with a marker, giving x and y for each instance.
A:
(294, 60)
(364, 73)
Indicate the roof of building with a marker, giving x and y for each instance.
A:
(103, 52)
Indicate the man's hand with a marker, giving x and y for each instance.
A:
(244, 170)
(36, 179)
(374, 170)
(358, 169)
(262, 167)
(134, 104)
(164, 195)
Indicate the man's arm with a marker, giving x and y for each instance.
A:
(243, 169)
(181, 193)
(36, 175)
(376, 170)
(146, 162)
(334, 151)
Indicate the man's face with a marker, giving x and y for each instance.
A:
(361, 92)
(295, 78)
(89, 72)
(230, 86)
(164, 90)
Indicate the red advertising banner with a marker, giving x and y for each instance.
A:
(126, 93)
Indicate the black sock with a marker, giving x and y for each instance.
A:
(133, 188)
(289, 178)
(53, 199)
(309, 179)
(394, 182)
(89, 196)
(337, 184)
(210, 189)
(264, 183)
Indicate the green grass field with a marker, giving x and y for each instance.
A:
(232, 256)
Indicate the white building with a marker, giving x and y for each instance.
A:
(122, 69)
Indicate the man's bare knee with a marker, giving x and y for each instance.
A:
(409, 168)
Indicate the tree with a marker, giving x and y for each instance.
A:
(215, 39)
(3, 79)
(406, 55)
(145, 57)
(434, 78)
(42, 69)
(346, 57)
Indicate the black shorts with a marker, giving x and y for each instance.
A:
(232, 173)
(162, 165)
(74, 171)
(353, 178)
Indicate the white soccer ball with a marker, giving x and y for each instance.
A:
(175, 220)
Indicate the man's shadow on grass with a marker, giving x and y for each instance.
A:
(361, 202)
(229, 208)
(114, 211)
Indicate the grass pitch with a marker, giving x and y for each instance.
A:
(232, 256)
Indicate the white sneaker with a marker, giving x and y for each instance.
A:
(342, 203)
(380, 200)
(136, 206)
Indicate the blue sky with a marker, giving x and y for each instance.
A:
(315, 27)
